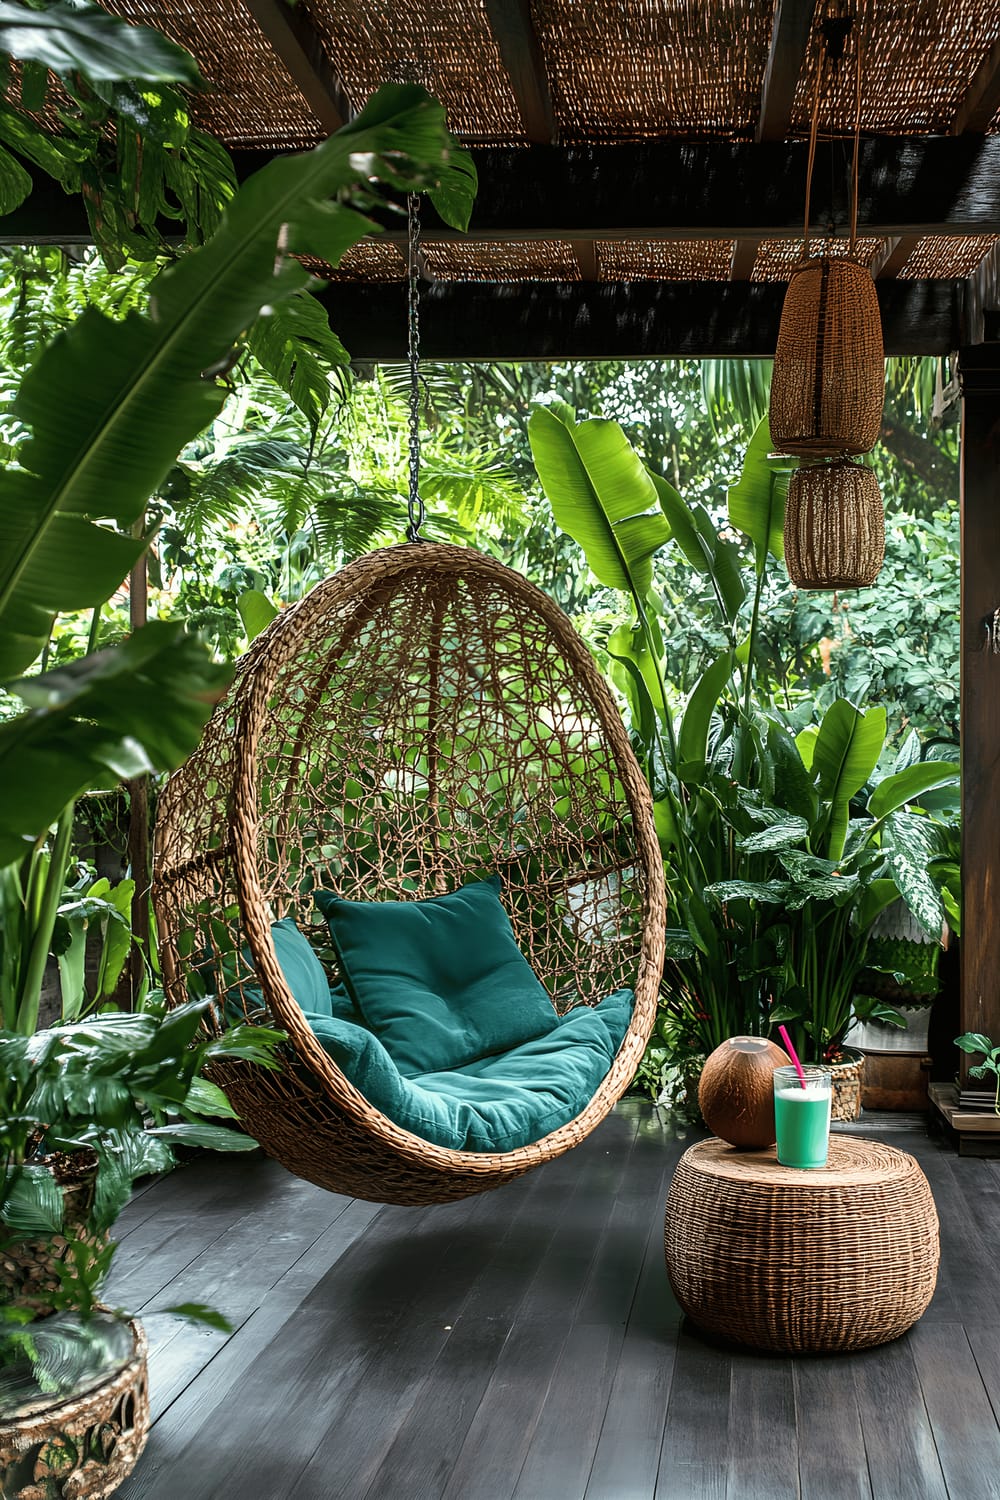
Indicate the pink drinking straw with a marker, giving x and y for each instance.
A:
(792, 1054)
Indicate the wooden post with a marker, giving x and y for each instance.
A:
(138, 791)
(979, 369)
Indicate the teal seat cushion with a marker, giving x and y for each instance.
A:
(497, 1103)
(442, 981)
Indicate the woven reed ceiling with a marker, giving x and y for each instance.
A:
(518, 73)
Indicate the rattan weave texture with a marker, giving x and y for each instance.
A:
(665, 260)
(512, 260)
(252, 99)
(628, 72)
(920, 57)
(834, 527)
(372, 259)
(797, 1262)
(424, 718)
(446, 45)
(777, 259)
(828, 384)
(948, 255)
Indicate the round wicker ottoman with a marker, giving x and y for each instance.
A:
(802, 1262)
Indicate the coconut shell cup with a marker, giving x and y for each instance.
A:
(736, 1093)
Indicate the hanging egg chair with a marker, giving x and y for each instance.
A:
(424, 718)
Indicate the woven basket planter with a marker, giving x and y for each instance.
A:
(834, 527)
(845, 1101)
(83, 1448)
(28, 1274)
(799, 1262)
(828, 384)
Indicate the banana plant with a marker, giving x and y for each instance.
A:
(693, 747)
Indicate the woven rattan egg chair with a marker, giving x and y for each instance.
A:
(424, 718)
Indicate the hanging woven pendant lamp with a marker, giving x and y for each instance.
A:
(829, 376)
(828, 384)
(834, 527)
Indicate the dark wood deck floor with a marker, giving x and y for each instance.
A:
(525, 1344)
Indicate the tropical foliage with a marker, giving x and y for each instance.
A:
(102, 107)
(105, 408)
(775, 872)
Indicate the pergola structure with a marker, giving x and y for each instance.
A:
(642, 167)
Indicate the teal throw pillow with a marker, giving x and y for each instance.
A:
(442, 981)
(306, 977)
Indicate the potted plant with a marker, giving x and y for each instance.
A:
(773, 883)
(826, 862)
(85, 1109)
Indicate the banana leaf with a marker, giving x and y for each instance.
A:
(909, 784)
(107, 717)
(692, 741)
(845, 754)
(601, 495)
(81, 37)
(757, 500)
(110, 404)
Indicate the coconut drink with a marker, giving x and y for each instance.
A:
(736, 1094)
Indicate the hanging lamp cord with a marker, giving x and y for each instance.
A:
(414, 504)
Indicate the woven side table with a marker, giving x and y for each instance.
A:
(842, 1257)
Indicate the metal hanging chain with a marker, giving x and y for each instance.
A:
(414, 504)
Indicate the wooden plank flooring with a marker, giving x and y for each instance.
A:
(524, 1345)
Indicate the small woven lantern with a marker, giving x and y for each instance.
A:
(828, 384)
(834, 527)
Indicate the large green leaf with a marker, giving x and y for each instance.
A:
(692, 741)
(683, 526)
(906, 786)
(794, 789)
(846, 753)
(297, 347)
(601, 495)
(15, 183)
(757, 500)
(112, 716)
(32, 1202)
(81, 37)
(110, 404)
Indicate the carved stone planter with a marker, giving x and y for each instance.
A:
(84, 1446)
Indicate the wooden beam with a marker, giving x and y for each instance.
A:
(744, 258)
(613, 320)
(515, 36)
(296, 42)
(978, 109)
(585, 252)
(893, 257)
(789, 37)
(910, 185)
(979, 373)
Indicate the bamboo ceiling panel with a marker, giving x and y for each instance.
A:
(620, 72)
(368, 260)
(471, 260)
(252, 98)
(775, 258)
(664, 260)
(446, 45)
(919, 58)
(942, 256)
